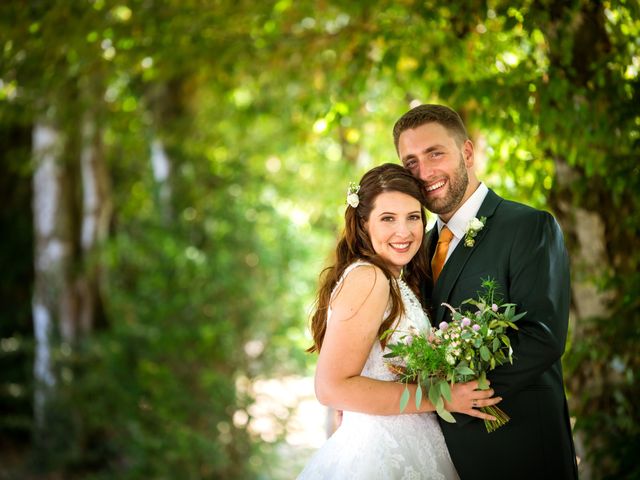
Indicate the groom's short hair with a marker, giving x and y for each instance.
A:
(431, 113)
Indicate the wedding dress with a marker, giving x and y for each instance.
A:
(384, 447)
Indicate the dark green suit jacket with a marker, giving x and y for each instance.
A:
(523, 249)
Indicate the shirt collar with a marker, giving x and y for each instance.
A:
(458, 223)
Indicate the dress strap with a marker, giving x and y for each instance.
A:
(349, 269)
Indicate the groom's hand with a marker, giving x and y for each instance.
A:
(466, 398)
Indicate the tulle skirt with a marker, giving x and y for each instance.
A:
(373, 447)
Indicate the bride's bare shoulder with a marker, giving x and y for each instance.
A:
(363, 284)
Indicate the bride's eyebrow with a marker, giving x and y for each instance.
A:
(395, 213)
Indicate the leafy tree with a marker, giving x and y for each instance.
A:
(263, 113)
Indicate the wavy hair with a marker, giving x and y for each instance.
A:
(355, 244)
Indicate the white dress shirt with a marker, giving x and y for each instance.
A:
(458, 223)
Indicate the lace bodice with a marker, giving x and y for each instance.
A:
(414, 316)
(385, 447)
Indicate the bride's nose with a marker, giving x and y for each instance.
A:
(402, 229)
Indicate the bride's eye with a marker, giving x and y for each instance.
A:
(387, 219)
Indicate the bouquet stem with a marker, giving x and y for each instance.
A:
(501, 418)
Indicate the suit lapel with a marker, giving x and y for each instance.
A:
(430, 245)
(432, 241)
(459, 257)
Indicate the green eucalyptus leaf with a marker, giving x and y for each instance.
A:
(445, 391)
(465, 371)
(404, 399)
(484, 353)
(445, 415)
(434, 394)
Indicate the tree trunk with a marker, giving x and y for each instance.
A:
(162, 173)
(53, 294)
(585, 232)
(97, 208)
(66, 297)
(585, 220)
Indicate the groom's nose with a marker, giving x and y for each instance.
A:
(425, 171)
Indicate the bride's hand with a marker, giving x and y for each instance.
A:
(466, 398)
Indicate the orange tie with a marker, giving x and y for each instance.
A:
(437, 262)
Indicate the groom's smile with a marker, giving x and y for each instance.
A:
(430, 187)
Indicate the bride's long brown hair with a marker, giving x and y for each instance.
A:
(355, 244)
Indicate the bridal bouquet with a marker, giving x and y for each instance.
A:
(472, 343)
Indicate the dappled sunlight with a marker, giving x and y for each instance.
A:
(288, 407)
(286, 411)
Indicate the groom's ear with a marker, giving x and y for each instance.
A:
(468, 153)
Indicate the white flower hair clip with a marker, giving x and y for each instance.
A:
(473, 227)
(353, 200)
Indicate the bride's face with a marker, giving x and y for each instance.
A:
(395, 228)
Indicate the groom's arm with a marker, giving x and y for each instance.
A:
(539, 285)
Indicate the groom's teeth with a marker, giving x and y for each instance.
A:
(434, 186)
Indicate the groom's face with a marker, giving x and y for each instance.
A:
(432, 154)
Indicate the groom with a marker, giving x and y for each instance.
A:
(523, 250)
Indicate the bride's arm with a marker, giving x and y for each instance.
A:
(357, 312)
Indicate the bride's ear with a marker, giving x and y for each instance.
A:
(364, 224)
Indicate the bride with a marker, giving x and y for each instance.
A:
(372, 287)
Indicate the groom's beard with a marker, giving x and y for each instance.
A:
(457, 186)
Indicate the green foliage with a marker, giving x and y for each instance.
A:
(267, 110)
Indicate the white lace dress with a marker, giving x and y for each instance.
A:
(384, 447)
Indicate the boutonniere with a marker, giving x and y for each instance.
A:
(472, 229)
